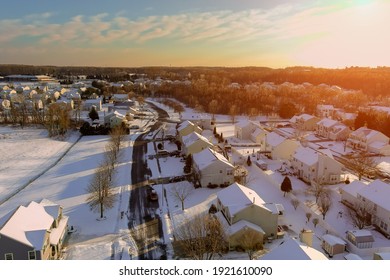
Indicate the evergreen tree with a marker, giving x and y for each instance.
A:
(286, 185)
(93, 114)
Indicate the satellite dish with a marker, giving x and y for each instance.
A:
(6, 104)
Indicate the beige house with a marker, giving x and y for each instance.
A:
(212, 168)
(304, 122)
(186, 128)
(369, 140)
(316, 166)
(258, 135)
(333, 245)
(280, 147)
(239, 203)
(194, 143)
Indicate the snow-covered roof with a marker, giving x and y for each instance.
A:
(333, 240)
(237, 197)
(292, 249)
(274, 139)
(378, 145)
(362, 235)
(193, 137)
(185, 124)
(352, 256)
(378, 192)
(236, 227)
(354, 187)
(257, 132)
(310, 156)
(207, 157)
(306, 117)
(327, 122)
(384, 255)
(365, 132)
(28, 224)
(243, 124)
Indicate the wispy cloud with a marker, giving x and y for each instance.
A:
(298, 32)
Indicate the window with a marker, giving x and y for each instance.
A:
(9, 256)
(32, 255)
(229, 172)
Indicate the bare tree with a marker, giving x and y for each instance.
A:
(213, 107)
(295, 202)
(317, 190)
(100, 196)
(199, 238)
(181, 193)
(325, 203)
(360, 214)
(251, 241)
(362, 164)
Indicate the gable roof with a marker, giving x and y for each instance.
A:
(237, 197)
(310, 156)
(378, 192)
(257, 132)
(193, 137)
(327, 122)
(354, 187)
(292, 249)
(28, 225)
(207, 157)
(274, 139)
(186, 124)
(365, 132)
(333, 240)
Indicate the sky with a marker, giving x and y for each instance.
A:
(272, 33)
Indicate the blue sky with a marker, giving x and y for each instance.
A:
(275, 33)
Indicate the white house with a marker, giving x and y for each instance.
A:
(114, 119)
(213, 168)
(375, 196)
(325, 111)
(280, 147)
(332, 129)
(369, 140)
(304, 122)
(316, 166)
(194, 143)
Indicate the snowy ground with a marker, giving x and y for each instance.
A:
(32, 151)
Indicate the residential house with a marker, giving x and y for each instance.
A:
(293, 249)
(382, 256)
(361, 238)
(369, 140)
(280, 147)
(325, 111)
(119, 97)
(33, 232)
(113, 119)
(332, 129)
(243, 130)
(89, 103)
(304, 122)
(194, 143)
(316, 166)
(240, 203)
(349, 192)
(333, 245)
(186, 128)
(258, 135)
(213, 168)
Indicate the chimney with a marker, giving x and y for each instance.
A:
(306, 236)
